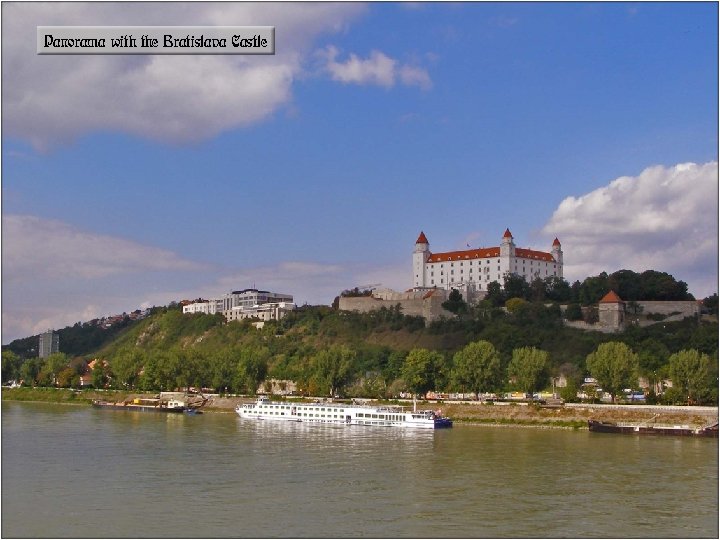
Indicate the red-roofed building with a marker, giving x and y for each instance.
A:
(472, 270)
(611, 311)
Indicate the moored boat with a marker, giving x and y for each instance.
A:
(639, 428)
(343, 414)
(168, 402)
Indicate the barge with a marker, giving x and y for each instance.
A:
(165, 402)
(634, 428)
(343, 414)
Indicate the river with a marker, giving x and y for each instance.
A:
(75, 471)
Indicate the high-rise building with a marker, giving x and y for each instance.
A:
(49, 344)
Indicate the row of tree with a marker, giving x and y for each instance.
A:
(630, 286)
(476, 368)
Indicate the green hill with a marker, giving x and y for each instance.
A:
(322, 348)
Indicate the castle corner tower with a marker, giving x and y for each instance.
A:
(420, 257)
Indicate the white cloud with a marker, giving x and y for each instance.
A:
(38, 249)
(664, 219)
(54, 275)
(378, 69)
(49, 99)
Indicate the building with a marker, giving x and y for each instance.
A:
(471, 271)
(245, 304)
(49, 344)
(611, 311)
(271, 311)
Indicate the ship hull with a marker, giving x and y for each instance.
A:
(142, 408)
(639, 429)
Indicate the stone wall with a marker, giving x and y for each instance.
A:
(685, 309)
(426, 304)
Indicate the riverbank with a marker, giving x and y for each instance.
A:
(569, 416)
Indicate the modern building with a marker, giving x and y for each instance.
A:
(245, 304)
(471, 271)
(271, 311)
(49, 344)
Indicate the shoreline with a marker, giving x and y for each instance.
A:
(477, 414)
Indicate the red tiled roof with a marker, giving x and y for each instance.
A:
(422, 239)
(532, 254)
(556, 242)
(507, 234)
(466, 254)
(488, 252)
(610, 298)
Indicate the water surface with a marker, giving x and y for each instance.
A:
(75, 471)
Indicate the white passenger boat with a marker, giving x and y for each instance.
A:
(337, 413)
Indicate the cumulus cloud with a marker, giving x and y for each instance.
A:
(55, 275)
(378, 69)
(665, 219)
(47, 99)
(35, 249)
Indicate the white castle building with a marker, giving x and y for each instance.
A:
(471, 271)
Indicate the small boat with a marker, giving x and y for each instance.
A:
(165, 402)
(343, 414)
(645, 428)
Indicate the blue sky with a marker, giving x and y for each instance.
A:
(132, 181)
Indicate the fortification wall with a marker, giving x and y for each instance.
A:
(429, 308)
(684, 309)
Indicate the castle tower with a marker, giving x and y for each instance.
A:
(420, 257)
(558, 256)
(611, 311)
(507, 247)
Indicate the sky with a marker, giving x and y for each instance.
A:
(130, 181)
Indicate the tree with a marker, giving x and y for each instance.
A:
(516, 286)
(11, 363)
(528, 367)
(711, 304)
(252, 368)
(495, 294)
(68, 377)
(573, 312)
(420, 369)
(100, 374)
(690, 374)
(538, 290)
(614, 366)
(332, 368)
(126, 367)
(30, 371)
(557, 289)
(54, 364)
(515, 304)
(477, 367)
(455, 303)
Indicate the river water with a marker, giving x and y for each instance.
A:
(74, 471)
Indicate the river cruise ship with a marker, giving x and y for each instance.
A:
(343, 414)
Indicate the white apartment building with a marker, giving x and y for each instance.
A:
(208, 307)
(272, 311)
(245, 304)
(473, 270)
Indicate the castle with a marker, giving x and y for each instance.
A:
(471, 271)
